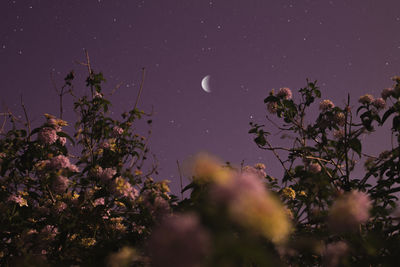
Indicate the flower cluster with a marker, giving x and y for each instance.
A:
(284, 93)
(349, 211)
(326, 105)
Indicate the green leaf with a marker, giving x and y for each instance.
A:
(389, 112)
(355, 144)
(260, 140)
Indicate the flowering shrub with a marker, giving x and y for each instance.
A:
(64, 208)
(96, 204)
(338, 218)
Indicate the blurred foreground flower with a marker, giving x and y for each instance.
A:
(180, 241)
(206, 169)
(334, 252)
(125, 257)
(349, 211)
(252, 206)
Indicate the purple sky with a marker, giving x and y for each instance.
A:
(248, 47)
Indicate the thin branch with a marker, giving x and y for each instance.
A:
(26, 118)
(140, 88)
(180, 177)
(116, 88)
(278, 157)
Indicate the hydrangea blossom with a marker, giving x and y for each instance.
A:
(284, 93)
(326, 104)
(366, 99)
(117, 131)
(379, 103)
(123, 188)
(340, 118)
(105, 175)
(59, 162)
(47, 135)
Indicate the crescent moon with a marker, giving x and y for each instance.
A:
(205, 84)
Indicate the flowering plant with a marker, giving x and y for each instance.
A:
(339, 218)
(76, 206)
(95, 202)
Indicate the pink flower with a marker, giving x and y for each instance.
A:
(386, 93)
(49, 231)
(366, 99)
(62, 140)
(123, 188)
(60, 184)
(99, 201)
(338, 134)
(179, 241)
(60, 206)
(340, 118)
(379, 103)
(117, 131)
(47, 135)
(326, 104)
(97, 95)
(59, 162)
(105, 145)
(334, 252)
(314, 168)
(349, 211)
(285, 93)
(18, 199)
(73, 168)
(105, 175)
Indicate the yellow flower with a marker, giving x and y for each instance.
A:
(88, 242)
(72, 237)
(302, 193)
(164, 185)
(61, 122)
(288, 193)
(206, 168)
(138, 172)
(119, 203)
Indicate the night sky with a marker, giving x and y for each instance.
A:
(247, 47)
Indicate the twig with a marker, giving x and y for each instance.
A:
(279, 158)
(5, 114)
(26, 118)
(116, 88)
(180, 177)
(140, 88)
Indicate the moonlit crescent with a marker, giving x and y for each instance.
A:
(205, 84)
